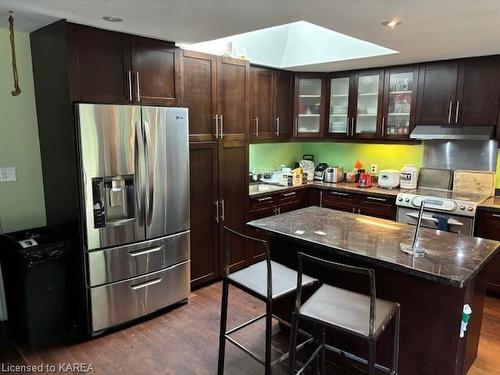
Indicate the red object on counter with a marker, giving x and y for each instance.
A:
(365, 180)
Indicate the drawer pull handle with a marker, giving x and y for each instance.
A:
(339, 193)
(145, 251)
(376, 199)
(264, 199)
(496, 215)
(289, 194)
(145, 284)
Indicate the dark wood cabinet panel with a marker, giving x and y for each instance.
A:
(156, 67)
(262, 103)
(436, 93)
(283, 105)
(338, 200)
(478, 92)
(200, 94)
(488, 226)
(233, 97)
(100, 65)
(233, 193)
(204, 226)
(384, 208)
(309, 105)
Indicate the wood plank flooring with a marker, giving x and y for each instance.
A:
(185, 341)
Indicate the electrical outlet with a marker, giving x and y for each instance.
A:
(8, 174)
(373, 168)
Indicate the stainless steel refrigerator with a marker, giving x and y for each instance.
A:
(135, 198)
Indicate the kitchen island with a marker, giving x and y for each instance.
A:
(432, 290)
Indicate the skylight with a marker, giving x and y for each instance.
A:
(291, 45)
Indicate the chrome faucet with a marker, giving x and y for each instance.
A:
(414, 249)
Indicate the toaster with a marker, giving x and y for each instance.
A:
(334, 174)
(389, 178)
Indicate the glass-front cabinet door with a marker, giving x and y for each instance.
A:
(309, 106)
(399, 102)
(369, 87)
(339, 119)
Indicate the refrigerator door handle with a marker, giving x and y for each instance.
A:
(139, 172)
(149, 186)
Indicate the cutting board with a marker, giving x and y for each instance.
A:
(476, 182)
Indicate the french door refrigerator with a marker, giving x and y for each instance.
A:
(135, 197)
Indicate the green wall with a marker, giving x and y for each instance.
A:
(21, 202)
(271, 155)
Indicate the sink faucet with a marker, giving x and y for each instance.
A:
(414, 249)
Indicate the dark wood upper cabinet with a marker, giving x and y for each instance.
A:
(156, 68)
(368, 100)
(436, 93)
(309, 106)
(204, 219)
(477, 92)
(199, 94)
(340, 104)
(283, 104)
(262, 122)
(399, 103)
(100, 65)
(233, 93)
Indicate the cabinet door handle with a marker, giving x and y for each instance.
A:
(264, 199)
(129, 76)
(138, 86)
(216, 212)
(352, 126)
(339, 193)
(496, 216)
(289, 194)
(221, 120)
(321, 198)
(449, 112)
(256, 120)
(353, 210)
(359, 211)
(279, 210)
(376, 199)
(222, 216)
(216, 119)
(277, 126)
(457, 112)
(383, 125)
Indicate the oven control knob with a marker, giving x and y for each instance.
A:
(407, 200)
(462, 207)
(470, 208)
(400, 199)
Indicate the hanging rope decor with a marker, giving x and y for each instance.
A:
(16, 90)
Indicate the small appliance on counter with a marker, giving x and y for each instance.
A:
(365, 180)
(334, 174)
(319, 172)
(389, 178)
(409, 177)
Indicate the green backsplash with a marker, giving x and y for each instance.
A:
(21, 202)
(386, 156)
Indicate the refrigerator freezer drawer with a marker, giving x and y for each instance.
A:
(123, 262)
(126, 300)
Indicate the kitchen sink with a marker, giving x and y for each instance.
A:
(264, 188)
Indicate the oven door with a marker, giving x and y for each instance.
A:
(456, 224)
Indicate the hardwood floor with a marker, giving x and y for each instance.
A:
(185, 341)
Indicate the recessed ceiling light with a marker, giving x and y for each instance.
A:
(112, 19)
(392, 23)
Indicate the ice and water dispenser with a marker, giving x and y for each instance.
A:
(113, 199)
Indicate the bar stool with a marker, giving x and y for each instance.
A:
(346, 311)
(265, 280)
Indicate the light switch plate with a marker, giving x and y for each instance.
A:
(8, 174)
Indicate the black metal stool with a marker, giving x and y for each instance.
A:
(346, 311)
(265, 280)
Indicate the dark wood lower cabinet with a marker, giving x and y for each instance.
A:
(204, 219)
(370, 205)
(488, 226)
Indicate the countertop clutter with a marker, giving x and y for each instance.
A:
(451, 259)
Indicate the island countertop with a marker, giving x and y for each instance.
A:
(451, 258)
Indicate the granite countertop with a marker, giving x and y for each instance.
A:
(451, 259)
(492, 203)
(340, 186)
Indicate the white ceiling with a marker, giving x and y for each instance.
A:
(430, 30)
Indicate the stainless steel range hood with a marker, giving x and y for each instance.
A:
(478, 133)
